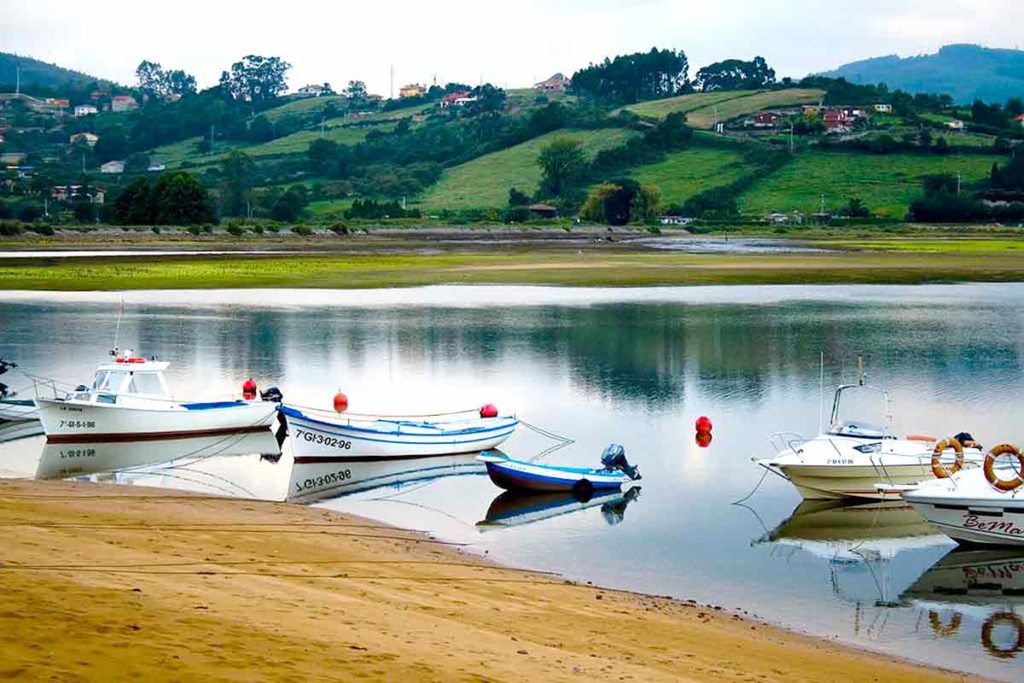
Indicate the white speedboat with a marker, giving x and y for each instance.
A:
(129, 400)
(982, 505)
(855, 459)
(319, 437)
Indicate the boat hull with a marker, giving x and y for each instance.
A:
(77, 422)
(973, 522)
(838, 482)
(316, 440)
(515, 475)
(17, 409)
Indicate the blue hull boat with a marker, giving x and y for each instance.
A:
(518, 475)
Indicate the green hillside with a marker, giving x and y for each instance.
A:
(702, 109)
(684, 174)
(966, 72)
(38, 73)
(485, 181)
(886, 183)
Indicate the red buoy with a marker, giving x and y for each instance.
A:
(340, 402)
(703, 425)
(249, 389)
(703, 439)
(489, 410)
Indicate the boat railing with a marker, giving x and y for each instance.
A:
(780, 441)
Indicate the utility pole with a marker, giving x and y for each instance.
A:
(958, 178)
(211, 139)
(392, 82)
(823, 204)
(17, 80)
(790, 137)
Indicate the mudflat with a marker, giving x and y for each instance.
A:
(106, 582)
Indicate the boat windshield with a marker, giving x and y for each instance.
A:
(108, 380)
(860, 411)
(146, 383)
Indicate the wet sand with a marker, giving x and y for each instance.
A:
(102, 581)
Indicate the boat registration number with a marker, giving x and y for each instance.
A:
(78, 424)
(323, 480)
(331, 441)
(78, 453)
(837, 461)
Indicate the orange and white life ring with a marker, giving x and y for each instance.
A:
(990, 468)
(938, 469)
(1002, 619)
(944, 630)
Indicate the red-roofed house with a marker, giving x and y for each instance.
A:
(450, 99)
(765, 119)
(557, 83)
(123, 103)
(837, 121)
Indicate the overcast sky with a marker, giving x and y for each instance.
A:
(507, 43)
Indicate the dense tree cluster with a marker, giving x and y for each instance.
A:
(735, 74)
(620, 202)
(256, 79)
(176, 198)
(632, 78)
(154, 80)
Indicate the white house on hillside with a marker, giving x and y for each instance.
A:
(112, 167)
(85, 110)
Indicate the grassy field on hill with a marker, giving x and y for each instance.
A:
(700, 108)
(683, 174)
(886, 183)
(485, 182)
(302, 106)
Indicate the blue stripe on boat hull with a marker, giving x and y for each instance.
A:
(510, 479)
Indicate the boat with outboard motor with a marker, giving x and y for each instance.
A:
(855, 459)
(13, 408)
(981, 505)
(519, 475)
(319, 437)
(129, 400)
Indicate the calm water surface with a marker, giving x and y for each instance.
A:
(629, 366)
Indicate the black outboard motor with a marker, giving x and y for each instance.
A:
(6, 365)
(272, 394)
(614, 458)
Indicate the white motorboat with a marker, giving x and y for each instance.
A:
(983, 505)
(129, 400)
(319, 437)
(855, 459)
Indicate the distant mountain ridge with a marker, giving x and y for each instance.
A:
(967, 72)
(38, 73)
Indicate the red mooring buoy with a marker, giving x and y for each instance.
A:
(340, 402)
(489, 410)
(703, 425)
(249, 389)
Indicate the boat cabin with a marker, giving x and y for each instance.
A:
(126, 377)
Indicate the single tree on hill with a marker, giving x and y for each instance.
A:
(563, 164)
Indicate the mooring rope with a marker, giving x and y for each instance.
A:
(561, 441)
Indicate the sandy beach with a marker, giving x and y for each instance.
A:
(103, 582)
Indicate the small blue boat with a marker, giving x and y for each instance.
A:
(518, 475)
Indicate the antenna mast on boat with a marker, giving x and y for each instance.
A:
(117, 328)
(821, 393)
(860, 369)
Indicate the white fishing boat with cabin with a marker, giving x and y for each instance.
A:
(863, 460)
(129, 400)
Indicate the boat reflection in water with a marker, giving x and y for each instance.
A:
(861, 543)
(513, 508)
(20, 441)
(226, 464)
(313, 482)
(975, 594)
